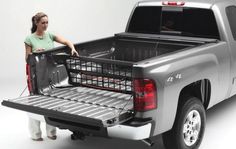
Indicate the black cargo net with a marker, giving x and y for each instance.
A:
(100, 73)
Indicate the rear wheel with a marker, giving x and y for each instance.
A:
(189, 126)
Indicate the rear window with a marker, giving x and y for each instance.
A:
(231, 14)
(194, 22)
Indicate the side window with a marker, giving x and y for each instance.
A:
(231, 14)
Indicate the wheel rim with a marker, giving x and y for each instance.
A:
(192, 127)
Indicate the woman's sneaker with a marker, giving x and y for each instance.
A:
(38, 139)
(52, 137)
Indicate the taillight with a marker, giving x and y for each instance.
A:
(170, 3)
(29, 83)
(145, 95)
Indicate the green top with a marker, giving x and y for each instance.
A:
(36, 42)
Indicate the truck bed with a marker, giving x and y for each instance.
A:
(134, 49)
(99, 93)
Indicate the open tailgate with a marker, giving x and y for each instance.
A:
(78, 104)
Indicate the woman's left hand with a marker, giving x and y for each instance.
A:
(74, 52)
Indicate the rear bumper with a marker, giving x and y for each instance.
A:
(117, 131)
(130, 132)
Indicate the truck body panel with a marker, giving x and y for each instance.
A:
(197, 65)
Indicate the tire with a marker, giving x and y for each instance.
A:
(189, 126)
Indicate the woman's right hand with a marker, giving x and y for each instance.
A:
(74, 52)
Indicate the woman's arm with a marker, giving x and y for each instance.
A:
(62, 40)
(28, 51)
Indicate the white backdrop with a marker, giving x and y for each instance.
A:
(78, 21)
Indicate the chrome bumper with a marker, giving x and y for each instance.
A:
(130, 132)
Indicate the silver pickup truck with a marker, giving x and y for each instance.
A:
(175, 60)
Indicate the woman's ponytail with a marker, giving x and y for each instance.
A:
(34, 27)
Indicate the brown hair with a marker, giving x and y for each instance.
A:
(35, 19)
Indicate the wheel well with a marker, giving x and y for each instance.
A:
(200, 89)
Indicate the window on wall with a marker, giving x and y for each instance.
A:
(231, 14)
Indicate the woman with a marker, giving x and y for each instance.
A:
(41, 40)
